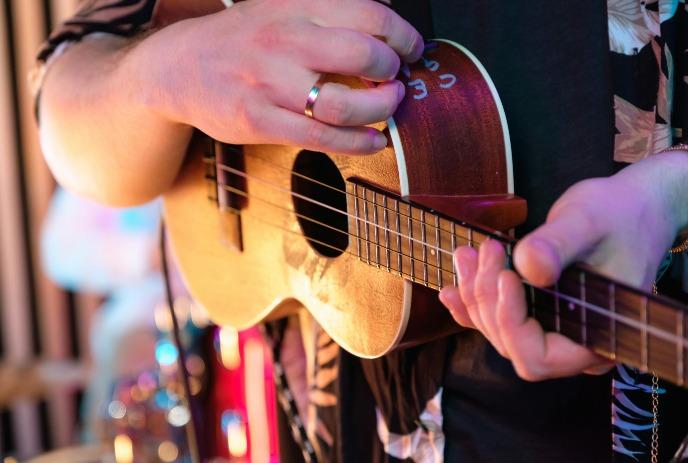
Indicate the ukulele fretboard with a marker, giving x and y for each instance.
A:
(619, 322)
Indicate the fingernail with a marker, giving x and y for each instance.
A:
(380, 141)
(448, 297)
(460, 273)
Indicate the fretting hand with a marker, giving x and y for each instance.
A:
(621, 225)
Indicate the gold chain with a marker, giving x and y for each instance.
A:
(683, 247)
(654, 442)
(654, 445)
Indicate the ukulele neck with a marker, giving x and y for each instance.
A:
(619, 322)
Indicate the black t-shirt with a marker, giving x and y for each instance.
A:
(551, 66)
(552, 73)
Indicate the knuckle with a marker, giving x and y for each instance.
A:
(248, 116)
(319, 135)
(339, 111)
(380, 19)
(363, 53)
(360, 143)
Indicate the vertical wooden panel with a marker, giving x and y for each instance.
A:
(14, 287)
(29, 23)
(86, 304)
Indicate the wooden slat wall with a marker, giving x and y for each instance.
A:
(37, 318)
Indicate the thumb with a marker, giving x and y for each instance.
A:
(569, 235)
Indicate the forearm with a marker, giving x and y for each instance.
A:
(100, 136)
(665, 178)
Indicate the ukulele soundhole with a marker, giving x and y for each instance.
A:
(320, 202)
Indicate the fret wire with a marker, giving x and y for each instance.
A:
(313, 201)
(438, 239)
(453, 245)
(531, 289)
(643, 334)
(584, 312)
(470, 237)
(679, 348)
(398, 223)
(657, 332)
(367, 227)
(612, 321)
(410, 236)
(385, 220)
(357, 214)
(376, 232)
(423, 238)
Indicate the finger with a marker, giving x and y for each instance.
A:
(466, 263)
(374, 19)
(566, 237)
(491, 260)
(346, 52)
(536, 355)
(340, 105)
(601, 369)
(451, 298)
(283, 127)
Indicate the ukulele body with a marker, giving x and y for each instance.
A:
(246, 251)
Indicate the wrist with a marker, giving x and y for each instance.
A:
(664, 177)
(148, 65)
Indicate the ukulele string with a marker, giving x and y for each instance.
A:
(617, 317)
(494, 234)
(331, 208)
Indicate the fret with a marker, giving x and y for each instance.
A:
(357, 215)
(571, 313)
(438, 251)
(385, 221)
(584, 310)
(471, 241)
(376, 231)
(453, 246)
(643, 334)
(366, 223)
(398, 239)
(410, 240)
(595, 292)
(662, 357)
(612, 320)
(540, 306)
(423, 238)
(627, 303)
(679, 347)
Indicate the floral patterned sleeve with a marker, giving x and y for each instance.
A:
(121, 17)
(124, 18)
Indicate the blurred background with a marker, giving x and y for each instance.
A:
(43, 328)
(87, 363)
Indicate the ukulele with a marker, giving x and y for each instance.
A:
(365, 242)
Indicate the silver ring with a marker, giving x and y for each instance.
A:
(313, 95)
